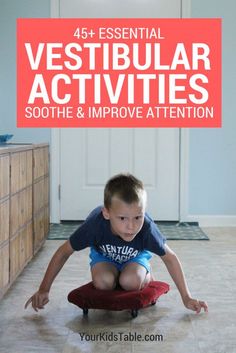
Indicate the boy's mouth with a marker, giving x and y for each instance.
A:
(128, 235)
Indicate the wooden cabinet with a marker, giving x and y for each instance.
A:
(24, 207)
(40, 195)
(4, 222)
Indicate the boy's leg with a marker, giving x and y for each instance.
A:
(134, 276)
(104, 275)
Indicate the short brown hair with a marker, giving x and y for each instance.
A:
(125, 186)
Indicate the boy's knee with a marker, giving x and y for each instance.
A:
(104, 281)
(131, 282)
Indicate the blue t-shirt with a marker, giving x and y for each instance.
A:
(96, 232)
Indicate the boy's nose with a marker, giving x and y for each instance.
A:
(130, 225)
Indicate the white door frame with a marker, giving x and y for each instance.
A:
(55, 148)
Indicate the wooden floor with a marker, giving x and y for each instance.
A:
(210, 268)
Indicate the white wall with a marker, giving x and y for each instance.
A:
(212, 153)
(10, 10)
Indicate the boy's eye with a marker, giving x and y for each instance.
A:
(138, 217)
(122, 218)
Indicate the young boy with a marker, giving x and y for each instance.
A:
(121, 237)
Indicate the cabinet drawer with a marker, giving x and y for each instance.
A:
(46, 221)
(46, 191)
(21, 170)
(41, 194)
(15, 257)
(39, 229)
(26, 244)
(21, 209)
(21, 250)
(39, 191)
(4, 221)
(4, 265)
(4, 175)
(41, 164)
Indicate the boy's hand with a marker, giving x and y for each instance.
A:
(195, 305)
(38, 300)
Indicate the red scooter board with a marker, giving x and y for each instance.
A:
(88, 297)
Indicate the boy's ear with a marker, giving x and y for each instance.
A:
(105, 213)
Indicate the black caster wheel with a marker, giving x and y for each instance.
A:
(85, 311)
(153, 303)
(134, 313)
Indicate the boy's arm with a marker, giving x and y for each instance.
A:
(40, 298)
(175, 269)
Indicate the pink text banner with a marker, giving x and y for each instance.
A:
(119, 72)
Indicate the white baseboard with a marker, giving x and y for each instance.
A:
(213, 221)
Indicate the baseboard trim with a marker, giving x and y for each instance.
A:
(213, 221)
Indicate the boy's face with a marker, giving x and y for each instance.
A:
(126, 219)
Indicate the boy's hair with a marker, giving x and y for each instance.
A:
(126, 187)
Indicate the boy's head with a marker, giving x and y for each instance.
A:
(126, 188)
(124, 205)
